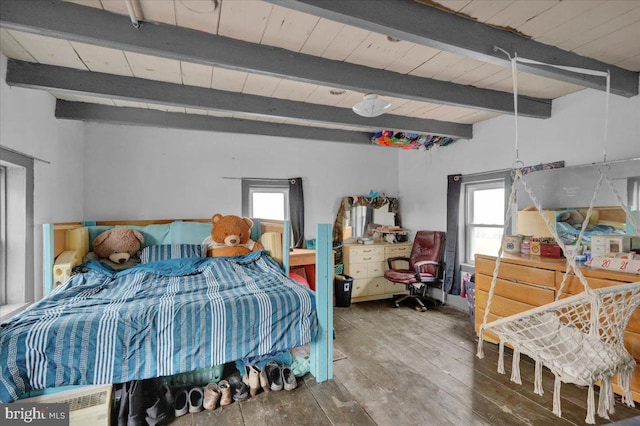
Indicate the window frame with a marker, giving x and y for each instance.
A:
(18, 246)
(3, 235)
(252, 186)
(491, 180)
(633, 193)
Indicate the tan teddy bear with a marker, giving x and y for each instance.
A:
(230, 236)
(117, 247)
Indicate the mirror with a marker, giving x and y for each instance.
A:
(572, 187)
(358, 216)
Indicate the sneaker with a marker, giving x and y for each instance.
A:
(196, 396)
(211, 396)
(181, 403)
(288, 378)
(225, 390)
(239, 390)
(264, 381)
(254, 380)
(274, 374)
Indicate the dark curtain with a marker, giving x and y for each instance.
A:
(451, 283)
(296, 211)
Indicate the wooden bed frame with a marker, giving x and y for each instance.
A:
(56, 242)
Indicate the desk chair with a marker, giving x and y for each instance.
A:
(425, 267)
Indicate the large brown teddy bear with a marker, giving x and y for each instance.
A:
(230, 236)
(118, 247)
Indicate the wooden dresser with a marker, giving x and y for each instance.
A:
(366, 264)
(525, 282)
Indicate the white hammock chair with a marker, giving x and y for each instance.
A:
(578, 338)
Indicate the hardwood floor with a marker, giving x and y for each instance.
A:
(402, 367)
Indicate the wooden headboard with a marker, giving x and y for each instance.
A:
(66, 244)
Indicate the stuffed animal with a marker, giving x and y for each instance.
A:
(230, 236)
(572, 217)
(118, 247)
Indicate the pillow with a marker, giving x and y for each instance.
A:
(153, 234)
(615, 264)
(300, 279)
(158, 252)
(189, 232)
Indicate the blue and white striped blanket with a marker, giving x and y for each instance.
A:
(153, 320)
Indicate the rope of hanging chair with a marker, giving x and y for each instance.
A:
(586, 71)
(518, 176)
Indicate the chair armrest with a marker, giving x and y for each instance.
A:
(425, 262)
(417, 266)
(394, 259)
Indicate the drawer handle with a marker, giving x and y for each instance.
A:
(366, 258)
(366, 251)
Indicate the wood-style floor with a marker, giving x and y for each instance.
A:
(402, 367)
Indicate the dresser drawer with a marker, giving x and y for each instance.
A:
(368, 250)
(518, 273)
(367, 257)
(500, 306)
(359, 287)
(404, 250)
(375, 269)
(394, 288)
(526, 293)
(574, 286)
(377, 286)
(356, 270)
(632, 343)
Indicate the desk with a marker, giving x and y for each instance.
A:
(307, 259)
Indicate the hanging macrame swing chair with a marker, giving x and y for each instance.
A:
(578, 338)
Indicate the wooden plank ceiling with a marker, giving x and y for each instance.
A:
(608, 31)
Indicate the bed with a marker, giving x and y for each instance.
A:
(171, 315)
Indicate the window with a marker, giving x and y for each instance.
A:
(633, 196)
(265, 199)
(3, 235)
(17, 283)
(484, 211)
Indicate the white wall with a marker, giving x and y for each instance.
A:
(136, 172)
(28, 125)
(573, 134)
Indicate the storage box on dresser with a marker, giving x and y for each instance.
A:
(526, 282)
(366, 264)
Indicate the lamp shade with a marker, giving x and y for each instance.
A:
(371, 106)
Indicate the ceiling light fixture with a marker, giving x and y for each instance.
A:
(371, 106)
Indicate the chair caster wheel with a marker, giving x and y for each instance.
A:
(421, 308)
(396, 305)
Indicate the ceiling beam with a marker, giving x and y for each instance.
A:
(421, 24)
(55, 18)
(110, 86)
(177, 120)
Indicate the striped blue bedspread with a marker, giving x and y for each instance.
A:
(153, 320)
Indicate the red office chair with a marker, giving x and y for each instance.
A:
(425, 267)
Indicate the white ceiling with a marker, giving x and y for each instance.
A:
(608, 31)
